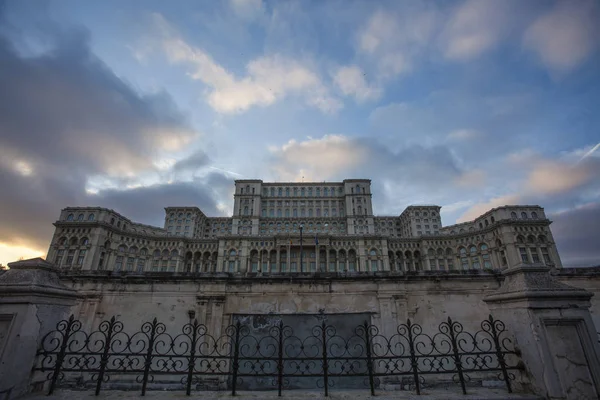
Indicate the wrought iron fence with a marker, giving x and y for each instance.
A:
(278, 356)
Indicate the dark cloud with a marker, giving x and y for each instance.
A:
(146, 204)
(65, 117)
(193, 162)
(576, 235)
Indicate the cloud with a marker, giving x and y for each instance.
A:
(351, 81)
(268, 79)
(554, 177)
(481, 208)
(576, 234)
(474, 27)
(565, 36)
(248, 10)
(463, 134)
(67, 118)
(394, 39)
(403, 175)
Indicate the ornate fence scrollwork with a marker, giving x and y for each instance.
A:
(278, 358)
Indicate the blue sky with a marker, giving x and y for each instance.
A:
(137, 105)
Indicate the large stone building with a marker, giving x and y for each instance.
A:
(333, 223)
(301, 254)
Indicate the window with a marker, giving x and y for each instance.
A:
(295, 192)
(302, 192)
(287, 192)
(245, 210)
(524, 256)
(81, 257)
(80, 217)
(293, 267)
(59, 257)
(119, 263)
(130, 261)
(140, 264)
(232, 265)
(373, 265)
(287, 212)
(279, 192)
(524, 215)
(534, 215)
(70, 217)
(318, 192)
(535, 257)
(513, 215)
(91, 217)
(232, 253)
(283, 266)
(332, 266)
(546, 256)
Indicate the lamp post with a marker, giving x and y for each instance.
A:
(301, 251)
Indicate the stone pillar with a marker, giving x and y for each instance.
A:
(553, 329)
(32, 302)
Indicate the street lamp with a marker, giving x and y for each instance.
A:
(301, 251)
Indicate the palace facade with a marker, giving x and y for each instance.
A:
(293, 228)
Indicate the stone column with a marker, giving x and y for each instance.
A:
(278, 260)
(553, 329)
(32, 302)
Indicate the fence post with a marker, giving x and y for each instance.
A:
(148, 361)
(369, 359)
(457, 360)
(280, 360)
(104, 359)
(325, 362)
(61, 355)
(499, 352)
(192, 361)
(413, 358)
(236, 355)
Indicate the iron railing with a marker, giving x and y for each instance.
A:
(276, 357)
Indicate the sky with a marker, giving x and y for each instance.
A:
(139, 105)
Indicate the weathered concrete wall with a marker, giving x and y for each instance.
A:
(426, 300)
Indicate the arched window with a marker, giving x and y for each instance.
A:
(524, 215)
(534, 215)
(318, 192)
(279, 212)
(513, 215)
(279, 192)
(246, 210)
(122, 249)
(295, 191)
(492, 219)
(287, 192)
(80, 217)
(174, 253)
(232, 253)
(91, 217)
(272, 192)
(373, 252)
(325, 192)
(156, 254)
(84, 241)
(486, 222)
(70, 217)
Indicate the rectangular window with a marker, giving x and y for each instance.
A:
(141, 263)
(59, 257)
(464, 263)
(351, 266)
(450, 263)
(475, 262)
(313, 266)
(254, 267)
(231, 266)
(524, 256)
(173, 266)
(273, 266)
(332, 266)
(283, 266)
(293, 267)
(70, 256)
(546, 256)
(322, 266)
(130, 261)
(163, 266)
(535, 257)
(119, 263)
(155, 266)
(187, 228)
(441, 265)
(487, 263)
(373, 265)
